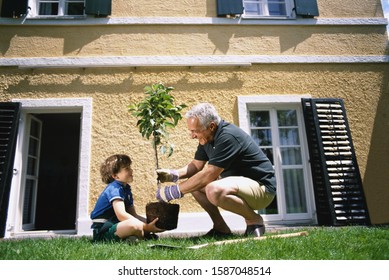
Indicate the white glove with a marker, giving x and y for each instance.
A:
(167, 175)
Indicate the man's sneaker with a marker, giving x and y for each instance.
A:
(150, 236)
(255, 230)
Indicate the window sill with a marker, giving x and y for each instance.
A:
(266, 17)
(90, 20)
(57, 17)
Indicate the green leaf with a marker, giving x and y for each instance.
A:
(171, 150)
(169, 124)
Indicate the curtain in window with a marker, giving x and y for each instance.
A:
(291, 161)
(49, 8)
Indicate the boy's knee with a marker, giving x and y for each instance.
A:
(128, 228)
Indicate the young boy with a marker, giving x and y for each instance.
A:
(114, 217)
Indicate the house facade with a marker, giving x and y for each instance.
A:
(70, 69)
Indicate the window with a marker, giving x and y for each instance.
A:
(57, 7)
(34, 127)
(309, 144)
(277, 126)
(273, 130)
(268, 8)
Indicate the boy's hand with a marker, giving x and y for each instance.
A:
(167, 175)
(168, 193)
(151, 227)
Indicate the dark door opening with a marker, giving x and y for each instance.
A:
(58, 172)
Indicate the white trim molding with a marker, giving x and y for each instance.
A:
(69, 20)
(244, 101)
(182, 61)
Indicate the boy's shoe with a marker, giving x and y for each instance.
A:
(150, 236)
(255, 230)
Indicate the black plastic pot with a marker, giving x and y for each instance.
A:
(166, 212)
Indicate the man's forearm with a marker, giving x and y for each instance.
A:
(199, 180)
(190, 169)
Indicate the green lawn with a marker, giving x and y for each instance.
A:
(322, 243)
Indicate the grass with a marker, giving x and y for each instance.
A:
(323, 243)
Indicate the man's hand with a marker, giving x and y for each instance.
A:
(167, 175)
(168, 193)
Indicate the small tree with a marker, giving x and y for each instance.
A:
(155, 114)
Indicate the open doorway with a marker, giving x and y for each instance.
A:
(50, 192)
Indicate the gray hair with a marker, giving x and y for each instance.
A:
(205, 112)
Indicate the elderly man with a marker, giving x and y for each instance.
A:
(238, 177)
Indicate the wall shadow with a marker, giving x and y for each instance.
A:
(377, 166)
(265, 40)
(90, 81)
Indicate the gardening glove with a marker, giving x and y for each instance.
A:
(168, 193)
(167, 175)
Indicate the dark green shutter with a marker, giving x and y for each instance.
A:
(306, 8)
(229, 7)
(99, 8)
(14, 8)
(337, 183)
(9, 122)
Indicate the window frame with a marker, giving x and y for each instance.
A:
(279, 102)
(33, 177)
(289, 7)
(62, 13)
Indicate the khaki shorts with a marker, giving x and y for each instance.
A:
(251, 191)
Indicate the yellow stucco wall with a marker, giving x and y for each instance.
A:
(142, 40)
(363, 86)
